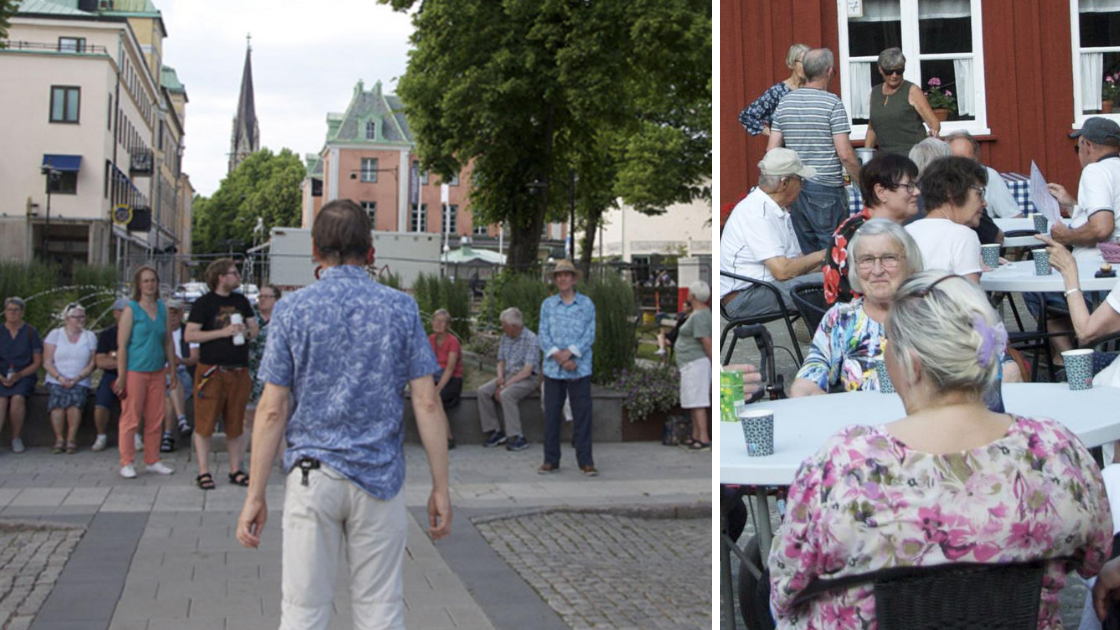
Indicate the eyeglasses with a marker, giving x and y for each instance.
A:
(898, 71)
(910, 187)
(889, 262)
(980, 189)
(266, 295)
(78, 317)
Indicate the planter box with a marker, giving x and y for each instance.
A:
(651, 428)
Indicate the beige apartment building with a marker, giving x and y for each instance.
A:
(370, 156)
(101, 121)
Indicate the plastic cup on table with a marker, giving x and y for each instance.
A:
(885, 384)
(1040, 222)
(1079, 368)
(1041, 262)
(758, 431)
(990, 253)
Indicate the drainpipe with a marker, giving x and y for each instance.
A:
(116, 132)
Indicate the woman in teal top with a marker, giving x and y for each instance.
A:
(898, 109)
(144, 351)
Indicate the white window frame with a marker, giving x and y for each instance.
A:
(480, 230)
(371, 211)
(451, 221)
(369, 175)
(1075, 46)
(909, 19)
(418, 220)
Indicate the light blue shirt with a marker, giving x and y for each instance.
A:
(567, 327)
(347, 346)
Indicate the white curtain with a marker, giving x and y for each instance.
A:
(880, 11)
(1099, 6)
(965, 90)
(943, 9)
(861, 88)
(1092, 80)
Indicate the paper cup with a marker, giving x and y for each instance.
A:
(885, 384)
(990, 254)
(1041, 262)
(758, 431)
(1079, 368)
(1040, 223)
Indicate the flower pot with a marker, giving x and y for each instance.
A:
(1106, 107)
(941, 113)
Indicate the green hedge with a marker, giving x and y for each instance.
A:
(615, 342)
(433, 293)
(37, 283)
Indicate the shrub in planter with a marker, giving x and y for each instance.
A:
(648, 389)
(615, 345)
(433, 293)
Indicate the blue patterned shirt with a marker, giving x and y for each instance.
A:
(567, 327)
(517, 353)
(761, 111)
(347, 346)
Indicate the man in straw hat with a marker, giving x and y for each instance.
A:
(567, 331)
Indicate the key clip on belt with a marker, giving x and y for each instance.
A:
(307, 464)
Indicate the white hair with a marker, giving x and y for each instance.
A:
(934, 325)
(877, 227)
(928, 150)
(700, 290)
(443, 312)
(796, 52)
(512, 316)
(72, 309)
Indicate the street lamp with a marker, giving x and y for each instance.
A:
(52, 174)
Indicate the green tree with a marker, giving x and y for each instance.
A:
(531, 91)
(8, 9)
(266, 187)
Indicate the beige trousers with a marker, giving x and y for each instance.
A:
(511, 397)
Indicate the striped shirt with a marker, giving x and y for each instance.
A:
(807, 119)
(517, 353)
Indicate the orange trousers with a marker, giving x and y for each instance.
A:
(144, 394)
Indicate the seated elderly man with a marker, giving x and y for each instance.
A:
(759, 242)
(1001, 203)
(519, 366)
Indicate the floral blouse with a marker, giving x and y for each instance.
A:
(866, 501)
(761, 111)
(256, 353)
(836, 285)
(843, 349)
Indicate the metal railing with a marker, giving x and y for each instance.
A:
(82, 49)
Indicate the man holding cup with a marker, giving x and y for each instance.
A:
(222, 384)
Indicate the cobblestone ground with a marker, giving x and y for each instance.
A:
(606, 571)
(31, 559)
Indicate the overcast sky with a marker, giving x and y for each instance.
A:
(307, 57)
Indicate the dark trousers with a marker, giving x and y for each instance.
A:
(579, 392)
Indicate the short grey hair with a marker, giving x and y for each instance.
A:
(441, 311)
(880, 227)
(935, 325)
(961, 134)
(512, 316)
(816, 63)
(769, 182)
(892, 58)
(925, 152)
(17, 301)
(700, 290)
(796, 51)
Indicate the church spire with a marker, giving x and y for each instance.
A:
(246, 132)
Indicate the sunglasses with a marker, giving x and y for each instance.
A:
(898, 71)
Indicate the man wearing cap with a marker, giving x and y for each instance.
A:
(567, 332)
(813, 122)
(759, 241)
(106, 359)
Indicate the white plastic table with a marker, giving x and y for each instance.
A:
(1019, 277)
(1027, 223)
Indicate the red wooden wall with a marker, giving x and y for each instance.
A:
(1027, 63)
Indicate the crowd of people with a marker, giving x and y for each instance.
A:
(906, 267)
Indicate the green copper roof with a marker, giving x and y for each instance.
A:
(53, 7)
(170, 80)
(134, 6)
(372, 110)
(314, 165)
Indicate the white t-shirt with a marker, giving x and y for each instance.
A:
(71, 358)
(177, 340)
(757, 230)
(947, 245)
(1098, 191)
(1001, 203)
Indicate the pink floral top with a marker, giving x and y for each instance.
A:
(866, 501)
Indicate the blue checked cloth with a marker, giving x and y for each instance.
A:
(1019, 185)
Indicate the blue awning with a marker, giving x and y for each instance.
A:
(62, 162)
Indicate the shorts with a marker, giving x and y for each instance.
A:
(104, 397)
(696, 384)
(224, 393)
(185, 380)
(61, 398)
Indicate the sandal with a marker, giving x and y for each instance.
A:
(71, 448)
(696, 446)
(687, 444)
(167, 444)
(239, 478)
(205, 481)
(58, 447)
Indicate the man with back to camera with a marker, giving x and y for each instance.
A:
(343, 349)
(222, 384)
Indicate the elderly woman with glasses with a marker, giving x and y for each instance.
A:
(850, 336)
(21, 356)
(898, 109)
(950, 482)
(756, 117)
(890, 191)
(953, 190)
(68, 358)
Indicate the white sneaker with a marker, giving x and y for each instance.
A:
(139, 442)
(160, 468)
(100, 443)
(17, 446)
(128, 471)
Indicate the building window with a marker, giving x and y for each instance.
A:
(65, 103)
(482, 230)
(1096, 56)
(72, 44)
(451, 220)
(454, 180)
(161, 135)
(371, 211)
(369, 170)
(108, 176)
(65, 184)
(109, 124)
(942, 39)
(423, 174)
(419, 218)
(371, 130)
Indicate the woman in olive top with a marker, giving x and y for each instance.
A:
(898, 108)
(694, 359)
(144, 347)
